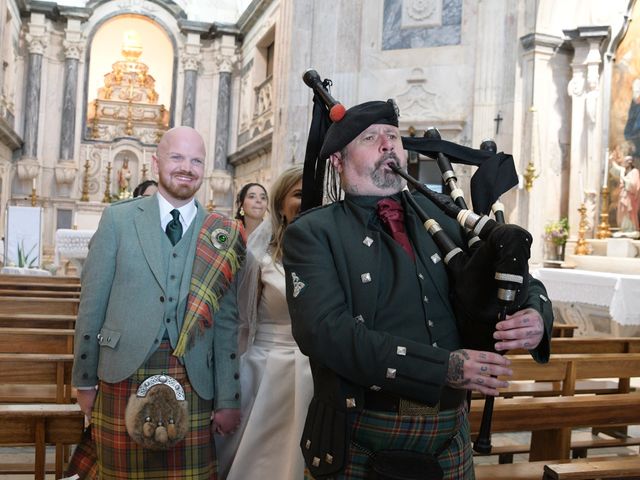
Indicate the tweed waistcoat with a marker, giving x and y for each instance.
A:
(175, 261)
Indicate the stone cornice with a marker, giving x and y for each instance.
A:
(252, 14)
(256, 147)
(533, 40)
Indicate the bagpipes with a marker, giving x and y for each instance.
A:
(489, 278)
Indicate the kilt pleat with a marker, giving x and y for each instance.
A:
(372, 431)
(119, 457)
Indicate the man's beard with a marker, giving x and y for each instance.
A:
(382, 177)
(180, 192)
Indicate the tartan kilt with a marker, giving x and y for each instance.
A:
(120, 457)
(372, 431)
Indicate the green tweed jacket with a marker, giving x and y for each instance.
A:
(123, 295)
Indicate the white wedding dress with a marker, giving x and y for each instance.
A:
(276, 388)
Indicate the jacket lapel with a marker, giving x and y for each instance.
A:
(147, 225)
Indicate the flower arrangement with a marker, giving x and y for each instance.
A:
(557, 232)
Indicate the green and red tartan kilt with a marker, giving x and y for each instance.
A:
(119, 457)
(372, 431)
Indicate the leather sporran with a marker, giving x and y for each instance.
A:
(404, 465)
(157, 415)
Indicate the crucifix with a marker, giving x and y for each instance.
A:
(498, 119)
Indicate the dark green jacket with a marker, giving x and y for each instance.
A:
(368, 317)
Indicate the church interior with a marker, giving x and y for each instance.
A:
(88, 88)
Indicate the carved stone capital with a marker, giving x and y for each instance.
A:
(66, 172)
(220, 181)
(37, 44)
(27, 168)
(190, 55)
(191, 61)
(73, 49)
(227, 58)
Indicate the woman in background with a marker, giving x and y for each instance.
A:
(145, 189)
(275, 376)
(251, 204)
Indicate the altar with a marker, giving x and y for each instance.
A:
(589, 298)
(72, 245)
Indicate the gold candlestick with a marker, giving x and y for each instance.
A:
(85, 182)
(582, 247)
(34, 197)
(144, 170)
(107, 188)
(210, 205)
(603, 229)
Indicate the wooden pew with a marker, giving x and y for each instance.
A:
(41, 305)
(9, 292)
(567, 374)
(37, 320)
(35, 377)
(550, 414)
(610, 466)
(40, 425)
(28, 280)
(563, 330)
(36, 340)
(620, 467)
(591, 345)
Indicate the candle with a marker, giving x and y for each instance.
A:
(581, 187)
(605, 181)
(33, 183)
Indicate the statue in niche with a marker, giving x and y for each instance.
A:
(629, 196)
(124, 179)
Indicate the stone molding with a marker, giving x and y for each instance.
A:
(66, 172)
(27, 168)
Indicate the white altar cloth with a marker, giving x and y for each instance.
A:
(621, 293)
(72, 244)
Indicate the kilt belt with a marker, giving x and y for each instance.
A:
(381, 401)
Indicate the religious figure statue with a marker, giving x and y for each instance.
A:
(124, 178)
(629, 198)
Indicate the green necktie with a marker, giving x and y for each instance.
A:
(174, 227)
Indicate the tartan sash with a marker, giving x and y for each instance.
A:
(220, 252)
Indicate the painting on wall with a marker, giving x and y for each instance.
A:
(624, 133)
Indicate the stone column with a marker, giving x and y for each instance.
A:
(73, 44)
(583, 88)
(539, 137)
(37, 40)
(191, 58)
(226, 59)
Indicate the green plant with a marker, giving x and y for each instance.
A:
(24, 259)
(557, 232)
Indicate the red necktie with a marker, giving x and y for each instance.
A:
(392, 217)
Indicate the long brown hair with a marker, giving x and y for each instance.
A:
(279, 190)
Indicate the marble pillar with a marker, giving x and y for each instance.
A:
(73, 51)
(191, 58)
(539, 138)
(226, 60)
(222, 121)
(37, 39)
(583, 88)
(66, 170)
(32, 98)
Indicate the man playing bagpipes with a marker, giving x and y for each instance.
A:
(371, 305)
